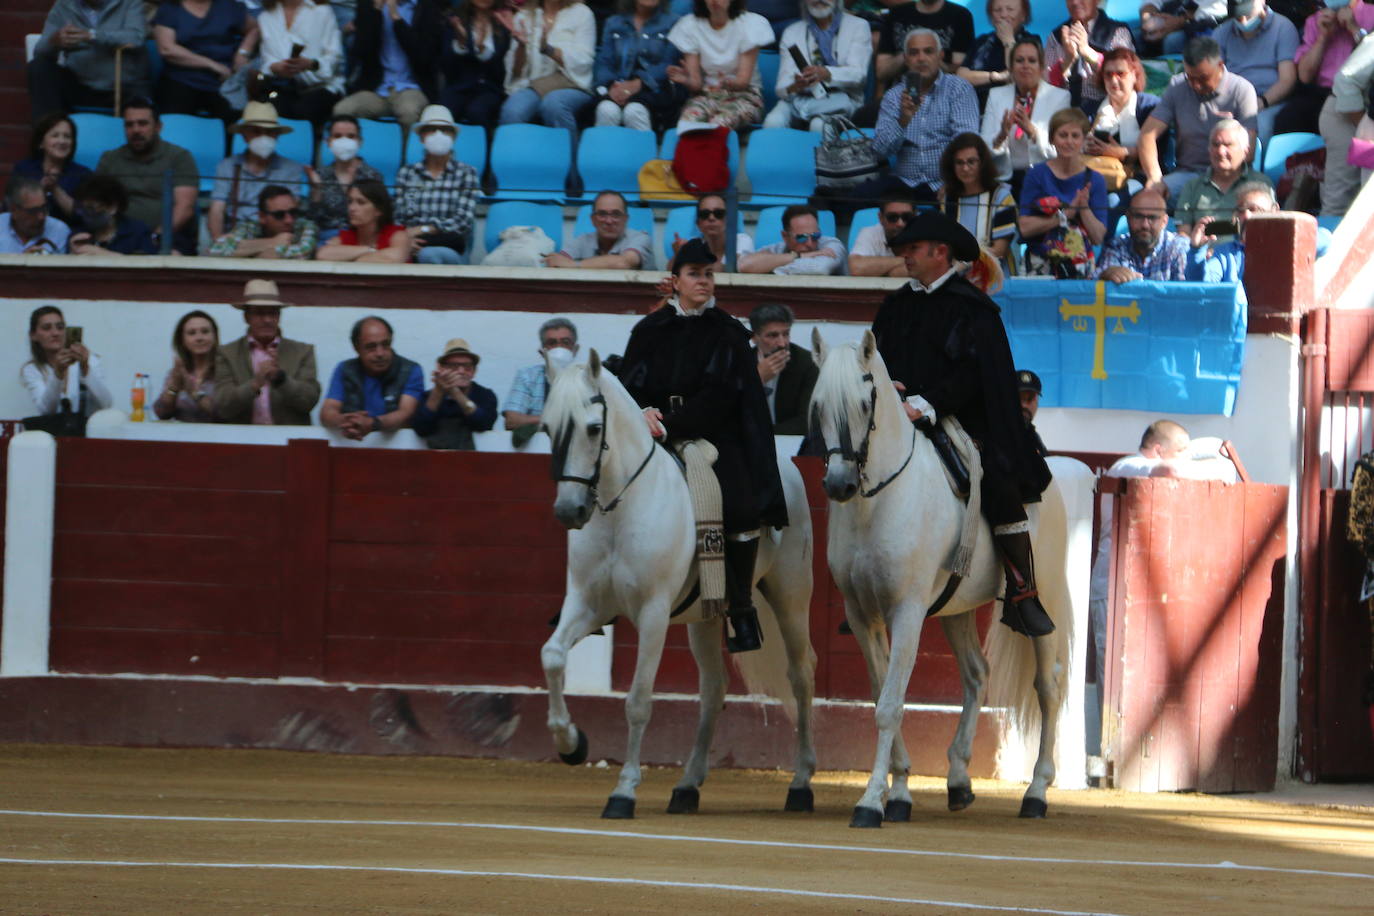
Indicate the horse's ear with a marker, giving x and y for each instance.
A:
(868, 348)
(818, 347)
(594, 363)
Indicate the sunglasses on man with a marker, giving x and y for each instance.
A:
(294, 212)
(899, 217)
(801, 238)
(718, 213)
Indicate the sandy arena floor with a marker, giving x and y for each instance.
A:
(108, 830)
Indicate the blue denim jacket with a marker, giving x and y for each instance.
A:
(625, 52)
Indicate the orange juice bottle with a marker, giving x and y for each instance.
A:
(138, 395)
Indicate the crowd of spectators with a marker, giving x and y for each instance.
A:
(1036, 143)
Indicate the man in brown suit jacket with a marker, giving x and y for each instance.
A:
(263, 377)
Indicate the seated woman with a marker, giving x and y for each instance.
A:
(48, 374)
(371, 235)
(720, 44)
(303, 58)
(329, 185)
(474, 62)
(52, 146)
(188, 392)
(971, 193)
(1117, 121)
(632, 61)
(101, 224)
(202, 43)
(1017, 118)
(549, 63)
(1063, 205)
(988, 61)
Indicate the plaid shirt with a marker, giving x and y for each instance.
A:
(448, 203)
(302, 246)
(950, 108)
(1168, 261)
(527, 391)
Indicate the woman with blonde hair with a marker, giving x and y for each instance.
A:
(1063, 205)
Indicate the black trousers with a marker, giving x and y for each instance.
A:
(473, 105)
(179, 98)
(55, 88)
(314, 103)
(1001, 501)
(738, 496)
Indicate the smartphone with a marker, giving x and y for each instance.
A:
(913, 85)
(798, 57)
(1222, 227)
(73, 335)
(296, 49)
(1105, 136)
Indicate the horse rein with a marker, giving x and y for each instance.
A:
(860, 457)
(560, 457)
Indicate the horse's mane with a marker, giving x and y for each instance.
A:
(841, 378)
(572, 391)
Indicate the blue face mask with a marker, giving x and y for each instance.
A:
(1336, 4)
(1252, 25)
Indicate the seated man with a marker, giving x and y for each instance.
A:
(1203, 94)
(525, 403)
(456, 407)
(1259, 45)
(1213, 192)
(141, 165)
(263, 377)
(396, 48)
(240, 179)
(376, 391)
(27, 228)
(1147, 250)
(1225, 262)
(802, 251)
(787, 371)
(277, 232)
(74, 61)
(610, 246)
(872, 255)
(837, 66)
(436, 198)
(102, 226)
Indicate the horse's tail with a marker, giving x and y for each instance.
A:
(1063, 514)
(765, 670)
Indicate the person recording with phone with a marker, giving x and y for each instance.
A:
(1215, 261)
(62, 368)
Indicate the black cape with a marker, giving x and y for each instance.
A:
(706, 360)
(950, 348)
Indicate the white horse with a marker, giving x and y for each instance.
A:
(631, 552)
(894, 524)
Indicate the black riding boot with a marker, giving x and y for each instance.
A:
(1022, 610)
(739, 586)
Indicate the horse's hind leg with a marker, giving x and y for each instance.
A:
(575, 621)
(962, 633)
(652, 625)
(890, 758)
(790, 599)
(1049, 686)
(704, 638)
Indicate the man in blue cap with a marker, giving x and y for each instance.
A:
(946, 349)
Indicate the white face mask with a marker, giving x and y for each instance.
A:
(560, 357)
(263, 147)
(438, 143)
(343, 148)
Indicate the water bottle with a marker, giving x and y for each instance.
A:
(138, 396)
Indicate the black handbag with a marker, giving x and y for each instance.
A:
(66, 422)
(845, 162)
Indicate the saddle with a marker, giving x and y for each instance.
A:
(696, 457)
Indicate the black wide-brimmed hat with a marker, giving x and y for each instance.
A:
(1026, 380)
(693, 251)
(931, 226)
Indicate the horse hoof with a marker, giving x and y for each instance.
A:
(800, 800)
(1033, 807)
(684, 801)
(579, 753)
(619, 808)
(897, 811)
(960, 797)
(866, 817)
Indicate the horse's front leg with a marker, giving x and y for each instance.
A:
(1049, 686)
(705, 641)
(575, 621)
(890, 758)
(962, 632)
(652, 625)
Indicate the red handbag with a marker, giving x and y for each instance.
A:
(701, 161)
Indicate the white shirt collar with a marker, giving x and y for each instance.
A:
(710, 303)
(918, 287)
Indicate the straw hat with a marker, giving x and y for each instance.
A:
(260, 114)
(435, 116)
(459, 346)
(261, 293)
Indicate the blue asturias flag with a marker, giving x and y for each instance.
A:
(1162, 347)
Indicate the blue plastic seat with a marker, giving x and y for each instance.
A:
(669, 144)
(1127, 11)
(609, 159)
(95, 134)
(641, 218)
(471, 146)
(768, 64)
(862, 220)
(203, 138)
(523, 213)
(769, 227)
(1281, 146)
(1328, 222)
(299, 145)
(783, 166)
(681, 221)
(530, 162)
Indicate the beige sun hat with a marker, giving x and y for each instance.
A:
(263, 115)
(456, 346)
(436, 116)
(261, 293)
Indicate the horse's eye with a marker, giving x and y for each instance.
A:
(593, 429)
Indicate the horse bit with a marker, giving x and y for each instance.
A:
(560, 457)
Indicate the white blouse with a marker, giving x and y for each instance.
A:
(573, 33)
(720, 49)
(47, 390)
(317, 29)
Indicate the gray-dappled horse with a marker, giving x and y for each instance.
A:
(894, 524)
(631, 553)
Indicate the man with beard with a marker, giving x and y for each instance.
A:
(141, 165)
(1147, 250)
(836, 49)
(944, 345)
(376, 391)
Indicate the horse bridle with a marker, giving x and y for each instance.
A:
(846, 448)
(560, 458)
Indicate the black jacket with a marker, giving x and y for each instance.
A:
(420, 39)
(465, 72)
(793, 397)
(950, 348)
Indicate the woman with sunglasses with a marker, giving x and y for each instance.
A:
(711, 229)
(872, 255)
(972, 194)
